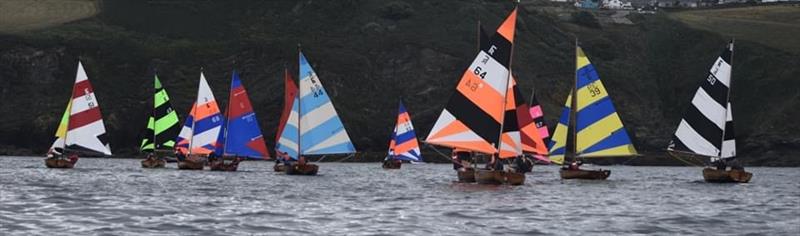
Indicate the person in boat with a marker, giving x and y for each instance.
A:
(301, 161)
(575, 165)
(464, 158)
(736, 165)
(457, 165)
(55, 152)
(495, 164)
(73, 158)
(520, 166)
(180, 155)
(720, 165)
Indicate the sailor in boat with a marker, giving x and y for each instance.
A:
(574, 165)
(495, 164)
(180, 156)
(462, 160)
(55, 152)
(520, 165)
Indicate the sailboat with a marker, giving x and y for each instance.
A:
(403, 146)
(162, 124)
(518, 116)
(241, 136)
(313, 126)
(707, 125)
(199, 136)
(474, 117)
(590, 119)
(81, 130)
(537, 113)
(289, 94)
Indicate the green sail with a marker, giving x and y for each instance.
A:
(162, 125)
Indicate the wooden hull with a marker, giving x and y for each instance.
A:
(279, 167)
(56, 162)
(726, 176)
(222, 166)
(466, 176)
(585, 174)
(192, 162)
(392, 165)
(512, 178)
(307, 169)
(154, 163)
(489, 177)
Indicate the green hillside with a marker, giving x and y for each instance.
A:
(370, 54)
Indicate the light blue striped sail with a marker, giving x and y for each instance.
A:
(321, 131)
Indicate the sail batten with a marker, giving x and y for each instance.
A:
(703, 130)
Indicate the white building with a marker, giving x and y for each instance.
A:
(616, 4)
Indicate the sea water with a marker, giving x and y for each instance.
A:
(118, 197)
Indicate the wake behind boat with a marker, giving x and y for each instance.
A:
(81, 130)
(706, 129)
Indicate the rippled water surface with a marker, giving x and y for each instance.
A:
(115, 196)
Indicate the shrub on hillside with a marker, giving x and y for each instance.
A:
(397, 10)
(586, 19)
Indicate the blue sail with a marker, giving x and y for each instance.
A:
(242, 133)
(321, 130)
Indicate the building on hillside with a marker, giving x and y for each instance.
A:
(616, 4)
(678, 3)
(587, 4)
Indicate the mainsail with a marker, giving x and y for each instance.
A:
(313, 126)
(597, 129)
(404, 145)
(510, 141)
(162, 124)
(289, 94)
(537, 113)
(82, 129)
(474, 115)
(241, 135)
(530, 137)
(704, 127)
(201, 130)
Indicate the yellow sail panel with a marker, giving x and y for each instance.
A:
(62, 127)
(558, 144)
(599, 129)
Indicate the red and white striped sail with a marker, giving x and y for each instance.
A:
(85, 129)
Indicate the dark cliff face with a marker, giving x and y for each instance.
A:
(370, 54)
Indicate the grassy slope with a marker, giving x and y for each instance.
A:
(21, 15)
(368, 58)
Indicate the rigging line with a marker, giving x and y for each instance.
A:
(682, 160)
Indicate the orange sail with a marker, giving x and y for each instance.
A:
(473, 117)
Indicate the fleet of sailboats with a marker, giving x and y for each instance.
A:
(486, 115)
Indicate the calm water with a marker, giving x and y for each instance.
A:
(113, 196)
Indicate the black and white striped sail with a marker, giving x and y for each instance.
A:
(707, 125)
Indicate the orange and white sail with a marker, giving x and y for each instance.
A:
(83, 128)
(510, 141)
(201, 130)
(473, 116)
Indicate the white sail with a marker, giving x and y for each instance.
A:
(86, 129)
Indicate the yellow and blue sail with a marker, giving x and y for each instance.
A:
(599, 129)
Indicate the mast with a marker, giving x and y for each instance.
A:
(227, 118)
(728, 99)
(299, 103)
(505, 97)
(153, 113)
(192, 113)
(574, 106)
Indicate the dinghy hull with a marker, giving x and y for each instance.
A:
(192, 162)
(58, 162)
(513, 178)
(585, 174)
(307, 169)
(279, 167)
(222, 166)
(392, 165)
(489, 177)
(154, 163)
(466, 176)
(726, 176)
